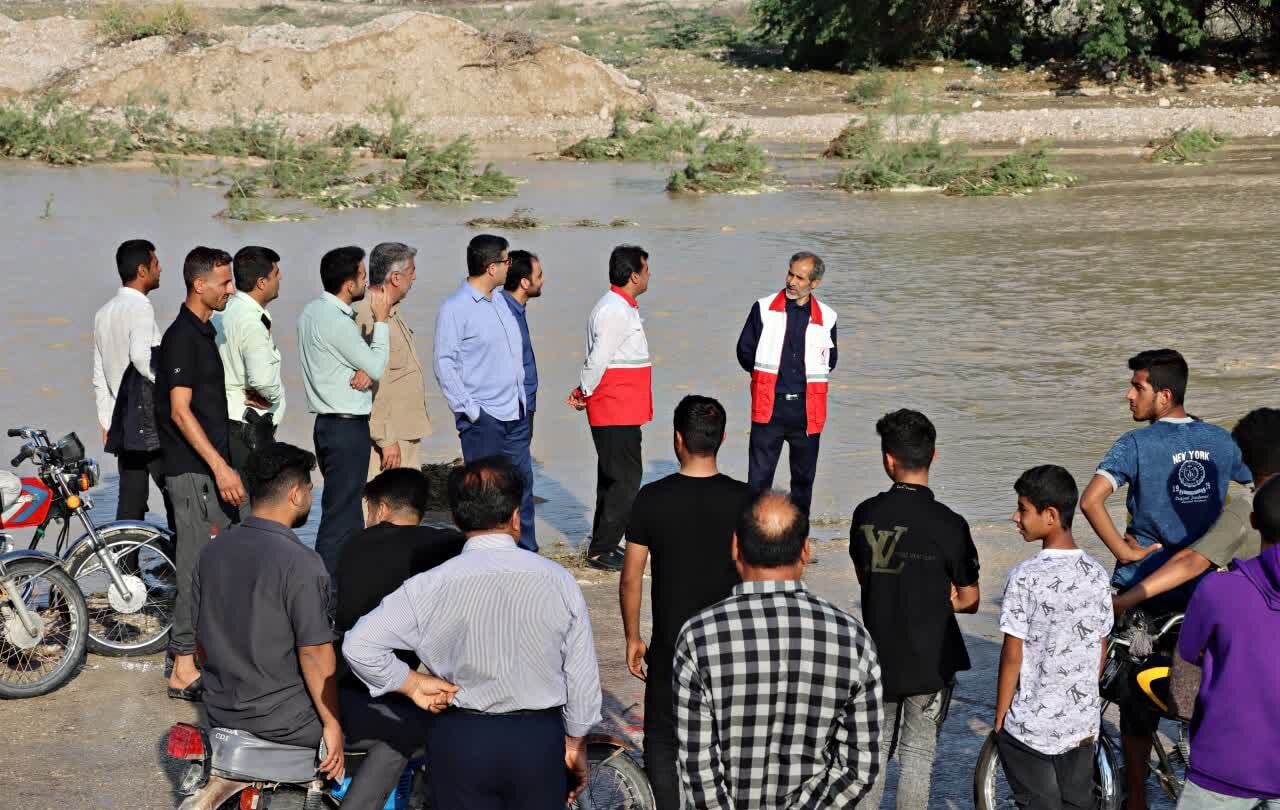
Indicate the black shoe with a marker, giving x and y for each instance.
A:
(606, 560)
(193, 691)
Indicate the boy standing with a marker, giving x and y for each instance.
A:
(918, 568)
(1230, 631)
(1055, 618)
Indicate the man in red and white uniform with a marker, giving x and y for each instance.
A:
(788, 345)
(615, 389)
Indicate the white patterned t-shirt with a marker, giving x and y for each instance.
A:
(1059, 604)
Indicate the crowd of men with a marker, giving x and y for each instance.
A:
(758, 693)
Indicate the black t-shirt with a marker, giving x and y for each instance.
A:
(257, 595)
(188, 358)
(376, 562)
(912, 550)
(688, 525)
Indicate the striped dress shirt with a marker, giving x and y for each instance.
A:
(509, 627)
(777, 703)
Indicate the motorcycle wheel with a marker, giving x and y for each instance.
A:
(615, 781)
(31, 667)
(147, 560)
(992, 792)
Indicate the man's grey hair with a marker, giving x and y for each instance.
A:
(818, 266)
(388, 258)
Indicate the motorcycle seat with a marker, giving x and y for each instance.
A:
(243, 757)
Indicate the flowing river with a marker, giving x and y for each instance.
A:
(1008, 321)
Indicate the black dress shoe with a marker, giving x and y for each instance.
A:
(606, 561)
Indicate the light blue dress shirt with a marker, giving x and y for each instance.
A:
(332, 350)
(479, 356)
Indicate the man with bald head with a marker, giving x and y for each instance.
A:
(788, 346)
(777, 691)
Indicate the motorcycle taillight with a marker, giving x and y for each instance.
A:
(249, 798)
(185, 742)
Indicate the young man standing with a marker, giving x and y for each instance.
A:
(124, 335)
(685, 521)
(1231, 537)
(1230, 630)
(191, 415)
(788, 346)
(1055, 617)
(1177, 470)
(615, 388)
(250, 359)
(777, 692)
(479, 364)
(918, 568)
(524, 282)
(338, 369)
(399, 417)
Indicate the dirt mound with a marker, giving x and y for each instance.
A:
(438, 66)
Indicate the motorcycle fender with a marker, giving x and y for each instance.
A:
(106, 532)
(28, 554)
(216, 791)
(610, 740)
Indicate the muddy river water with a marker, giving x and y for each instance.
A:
(1008, 321)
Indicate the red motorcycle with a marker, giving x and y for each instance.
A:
(125, 569)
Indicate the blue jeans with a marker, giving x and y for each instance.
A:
(1195, 797)
(488, 436)
(342, 449)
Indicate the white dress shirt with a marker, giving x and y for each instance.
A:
(124, 332)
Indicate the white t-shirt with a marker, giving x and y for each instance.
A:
(1059, 604)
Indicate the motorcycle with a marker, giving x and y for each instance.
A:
(43, 624)
(226, 764)
(125, 569)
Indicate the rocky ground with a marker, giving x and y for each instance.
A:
(534, 76)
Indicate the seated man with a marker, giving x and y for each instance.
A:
(260, 605)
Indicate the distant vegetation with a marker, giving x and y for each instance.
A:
(120, 22)
(729, 163)
(1187, 146)
(656, 141)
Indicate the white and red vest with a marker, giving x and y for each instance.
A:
(617, 377)
(817, 360)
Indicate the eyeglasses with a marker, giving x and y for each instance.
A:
(506, 261)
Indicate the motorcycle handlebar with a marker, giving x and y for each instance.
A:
(15, 433)
(21, 457)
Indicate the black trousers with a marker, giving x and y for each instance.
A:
(342, 450)
(389, 730)
(1044, 782)
(138, 468)
(497, 762)
(660, 744)
(788, 424)
(618, 472)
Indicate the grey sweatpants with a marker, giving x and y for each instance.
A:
(198, 513)
(911, 725)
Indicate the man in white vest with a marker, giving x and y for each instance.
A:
(788, 345)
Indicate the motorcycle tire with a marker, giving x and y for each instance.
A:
(143, 631)
(50, 593)
(992, 792)
(615, 781)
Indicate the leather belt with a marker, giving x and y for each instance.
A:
(352, 416)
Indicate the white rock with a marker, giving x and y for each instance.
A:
(508, 8)
(786, 70)
(1110, 75)
(1022, 141)
(977, 102)
(575, 38)
(938, 69)
(604, 112)
(1164, 102)
(1004, 70)
(1210, 69)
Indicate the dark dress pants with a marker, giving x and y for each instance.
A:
(788, 424)
(1047, 782)
(138, 468)
(660, 744)
(497, 762)
(618, 472)
(389, 730)
(342, 450)
(488, 436)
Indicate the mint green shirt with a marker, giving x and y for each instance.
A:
(250, 358)
(332, 350)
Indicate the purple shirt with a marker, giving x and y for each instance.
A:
(1233, 621)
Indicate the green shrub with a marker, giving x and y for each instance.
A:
(521, 219)
(1187, 146)
(869, 89)
(119, 23)
(1022, 172)
(446, 174)
(728, 164)
(686, 28)
(655, 142)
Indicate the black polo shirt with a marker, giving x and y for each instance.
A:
(257, 595)
(376, 562)
(912, 550)
(188, 358)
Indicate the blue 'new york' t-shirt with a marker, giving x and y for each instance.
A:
(1177, 470)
